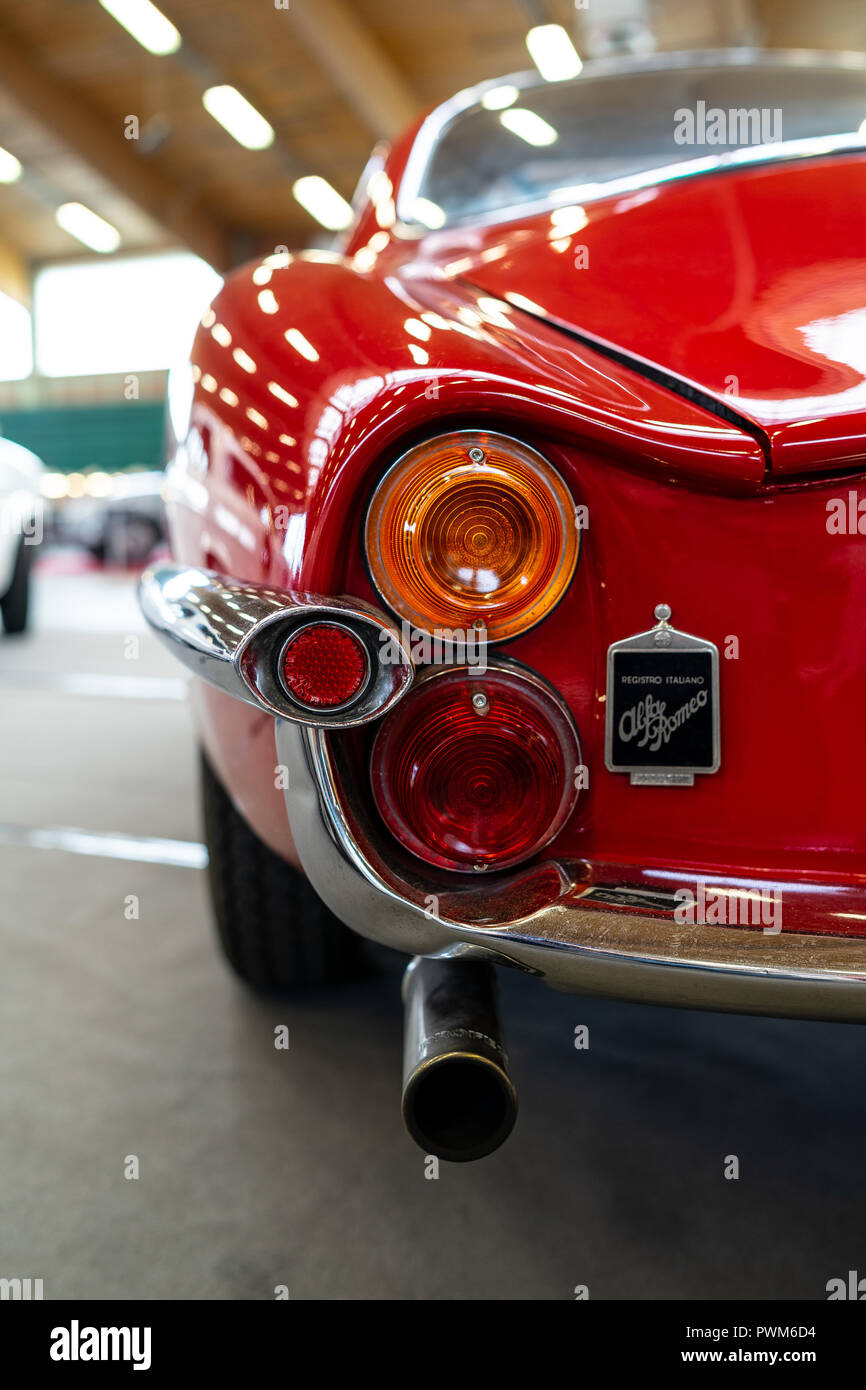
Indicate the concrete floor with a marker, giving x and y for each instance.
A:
(261, 1168)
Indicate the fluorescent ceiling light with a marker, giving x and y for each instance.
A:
(235, 114)
(10, 167)
(323, 202)
(521, 302)
(567, 221)
(418, 329)
(553, 53)
(296, 339)
(244, 360)
(499, 97)
(282, 395)
(428, 213)
(529, 126)
(86, 227)
(145, 23)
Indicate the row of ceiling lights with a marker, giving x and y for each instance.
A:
(74, 218)
(230, 108)
(149, 27)
(549, 47)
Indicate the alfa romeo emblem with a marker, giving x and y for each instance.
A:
(662, 706)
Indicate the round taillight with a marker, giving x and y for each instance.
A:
(324, 666)
(472, 530)
(476, 771)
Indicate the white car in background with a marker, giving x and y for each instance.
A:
(21, 527)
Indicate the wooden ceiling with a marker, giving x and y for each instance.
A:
(331, 76)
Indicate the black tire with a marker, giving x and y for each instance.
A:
(275, 933)
(16, 602)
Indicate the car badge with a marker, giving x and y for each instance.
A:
(662, 708)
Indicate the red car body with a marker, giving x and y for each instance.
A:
(690, 358)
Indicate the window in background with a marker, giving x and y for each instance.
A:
(16, 343)
(132, 314)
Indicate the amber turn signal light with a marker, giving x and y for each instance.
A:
(472, 529)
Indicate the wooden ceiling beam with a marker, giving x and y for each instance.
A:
(14, 274)
(363, 72)
(99, 140)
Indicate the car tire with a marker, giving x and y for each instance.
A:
(274, 931)
(15, 603)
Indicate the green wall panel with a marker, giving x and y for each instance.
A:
(73, 439)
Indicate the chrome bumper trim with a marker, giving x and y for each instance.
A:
(231, 634)
(586, 950)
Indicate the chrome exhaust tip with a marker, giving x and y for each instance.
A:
(459, 1102)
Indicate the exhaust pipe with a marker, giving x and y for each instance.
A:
(459, 1102)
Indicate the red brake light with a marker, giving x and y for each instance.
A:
(476, 771)
(324, 666)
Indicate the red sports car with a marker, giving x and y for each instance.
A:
(519, 546)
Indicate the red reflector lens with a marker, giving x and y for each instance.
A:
(476, 771)
(324, 666)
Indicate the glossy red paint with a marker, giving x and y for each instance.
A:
(312, 377)
(751, 286)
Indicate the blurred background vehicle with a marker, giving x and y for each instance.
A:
(119, 522)
(21, 528)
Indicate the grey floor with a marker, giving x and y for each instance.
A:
(260, 1168)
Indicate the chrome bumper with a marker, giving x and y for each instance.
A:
(586, 950)
(229, 634)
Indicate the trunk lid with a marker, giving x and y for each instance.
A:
(746, 286)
